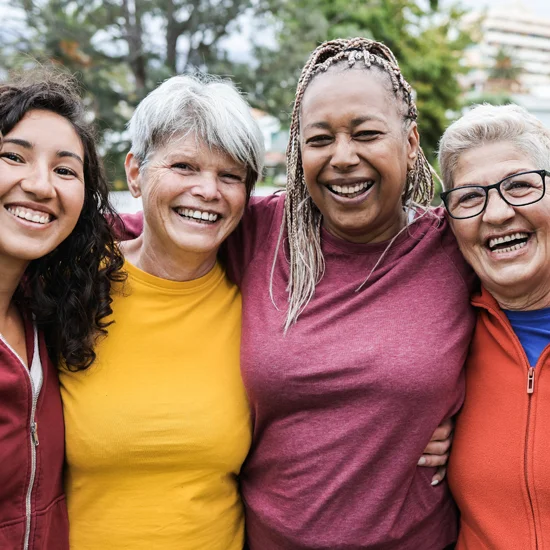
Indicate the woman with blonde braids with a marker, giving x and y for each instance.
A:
(358, 355)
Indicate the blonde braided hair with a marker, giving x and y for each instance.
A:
(302, 219)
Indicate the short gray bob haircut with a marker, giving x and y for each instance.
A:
(207, 107)
(485, 124)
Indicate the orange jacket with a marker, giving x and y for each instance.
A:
(499, 471)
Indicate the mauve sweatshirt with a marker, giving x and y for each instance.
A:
(345, 403)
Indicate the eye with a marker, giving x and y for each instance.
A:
(319, 140)
(519, 185)
(469, 197)
(182, 166)
(67, 172)
(12, 156)
(366, 135)
(232, 177)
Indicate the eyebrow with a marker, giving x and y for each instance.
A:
(61, 154)
(510, 173)
(28, 145)
(355, 122)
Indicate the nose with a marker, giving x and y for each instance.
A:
(344, 155)
(497, 211)
(38, 183)
(206, 186)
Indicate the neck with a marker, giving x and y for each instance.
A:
(169, 264)
(537, 299)
(386, 231)
(10, 276)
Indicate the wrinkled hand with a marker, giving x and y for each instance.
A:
(436, 453)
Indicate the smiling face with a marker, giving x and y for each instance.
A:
(193, 197)
(508, 247)
(356, 151)
(41, 186)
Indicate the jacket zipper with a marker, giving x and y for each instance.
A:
(530, 391)
(33, 443)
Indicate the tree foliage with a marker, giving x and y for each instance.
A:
(121, 49)
(427, 40)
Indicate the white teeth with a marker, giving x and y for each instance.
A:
(510, 248)
(349, 189)
(30, 215)
(198, 215)
(507, 238)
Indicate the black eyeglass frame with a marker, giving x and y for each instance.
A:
(542, 173)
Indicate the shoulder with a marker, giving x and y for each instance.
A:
(434, 226)
(262, 210)
(262, 219)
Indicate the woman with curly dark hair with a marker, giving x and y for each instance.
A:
(57, 262)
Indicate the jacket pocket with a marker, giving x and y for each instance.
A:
(51, 527)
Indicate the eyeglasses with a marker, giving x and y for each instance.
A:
(516, 190)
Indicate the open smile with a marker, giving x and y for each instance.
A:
(350, 191)
(508, 243)
(199, 216)
(28, 214)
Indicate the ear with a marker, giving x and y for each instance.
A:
(133, 176)
(413, 145)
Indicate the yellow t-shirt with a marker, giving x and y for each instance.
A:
(158, 427)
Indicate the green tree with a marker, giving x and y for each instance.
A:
(428, 41)
(121, 49)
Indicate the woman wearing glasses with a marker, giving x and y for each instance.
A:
(500, 465)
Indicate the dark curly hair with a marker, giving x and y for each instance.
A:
(68, 290)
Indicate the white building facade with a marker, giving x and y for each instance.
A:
(524, 36)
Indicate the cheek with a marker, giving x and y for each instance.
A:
(235, 197)
(74, 201)
(312, 162)
(467, 236)
(159, 185)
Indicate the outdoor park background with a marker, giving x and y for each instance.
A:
(453, 53)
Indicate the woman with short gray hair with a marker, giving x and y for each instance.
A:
(496, 167)
(158, 427)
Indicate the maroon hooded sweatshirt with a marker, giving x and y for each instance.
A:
(33, 512)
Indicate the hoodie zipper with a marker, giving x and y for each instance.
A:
(33, 440)
(530, 392)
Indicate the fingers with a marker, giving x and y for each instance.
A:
(439, 476)
(431, 461)
(436, 453)
(438, 447)
(443, 431)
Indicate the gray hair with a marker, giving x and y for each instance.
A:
(486, 124)
(205, 106)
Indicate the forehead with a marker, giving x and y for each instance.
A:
(192, 148)
(46, 129)
(353, 92)
(489, 163)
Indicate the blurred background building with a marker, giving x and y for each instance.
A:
(510, 59)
